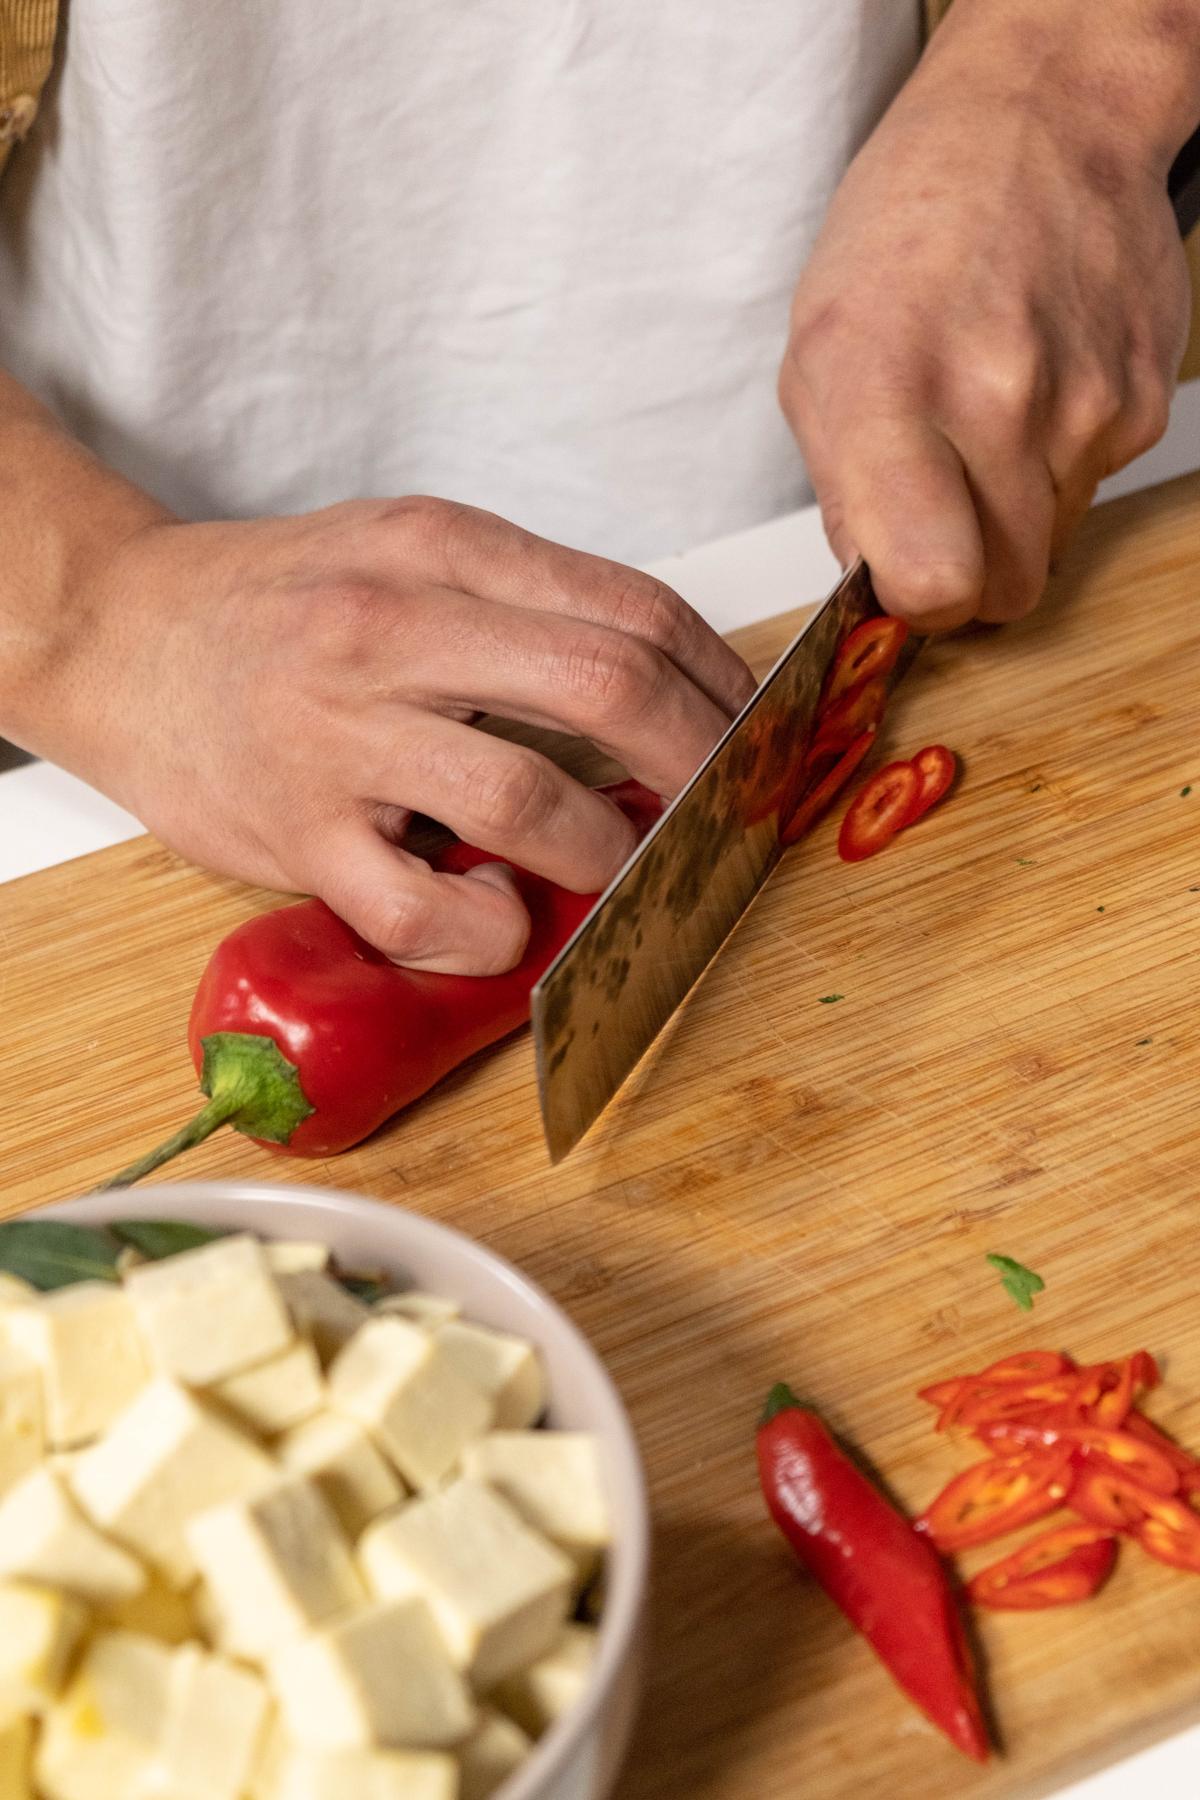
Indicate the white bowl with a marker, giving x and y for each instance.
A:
(580, 1755)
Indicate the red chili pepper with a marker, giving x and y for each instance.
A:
(1057, 1568)
(1185, 1466)
(815, 804)
(1107, 1497)
(1028, 1365)
(994, 1497)
(307, 1039)
(871, 649)
(1170, 1533)
(936, 767)
(859, 709)
(888, 1581)
(878, 811)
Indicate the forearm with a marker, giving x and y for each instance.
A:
(60, 512)
(1123, 77)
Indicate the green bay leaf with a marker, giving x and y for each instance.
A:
(52, 1253)
(156, 1239)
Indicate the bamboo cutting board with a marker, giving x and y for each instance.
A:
(985, 1039)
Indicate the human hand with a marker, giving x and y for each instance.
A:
(274, 699)
(995, 311)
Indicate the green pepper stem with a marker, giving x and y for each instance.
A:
(210, 1118)
(780, 1399)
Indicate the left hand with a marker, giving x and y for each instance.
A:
(991, 322)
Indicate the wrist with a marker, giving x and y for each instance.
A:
(63, 515)
(1121, 81)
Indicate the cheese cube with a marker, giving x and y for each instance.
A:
(352, 1474)
(167, 1458)
(322, 1310)
(22, 1428)
(498, 1591)
(44, 1538)
(159, 1611)
(276, 1394)
(16, 1747)
(210, 1312)
(414, 1304)
(86, 1342)
(366, 1775)
(537, 1695)
(276, 1564)
(40, 1630)
(401, 1384)
(214, 1730)
(100, 1741)
(495, 1750)
(289, 1256)
(507, 1369)
(555, 1481)
(379, 1676)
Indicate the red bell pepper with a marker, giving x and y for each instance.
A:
(1057, 1568)
(888, 1581)
(307, 1039)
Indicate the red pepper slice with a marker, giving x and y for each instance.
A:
(815, 804)
(936, 766)
(941, 1393)
(1028, 1365)
(1185, 1466)
(1141, 1462)
(993, 1405)
(878, 811)
(995, 1497)
(1106, 1497)
(888, 1581)
(859, 709)
(870, 649)
(1057, 1568)
(1170, 1533)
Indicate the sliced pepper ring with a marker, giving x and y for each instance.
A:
(994, 1497)
(1057, 1568)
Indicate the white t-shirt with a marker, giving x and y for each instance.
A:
(533, 256)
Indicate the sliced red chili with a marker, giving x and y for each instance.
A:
(941, 1393)
(1027, 1401)
(1171, 1533)
(1057, 1568)
(870, 649)
(995, 1497)
(936, 768)
(815, 804)
(878, 811)
(1028, 1365)
(859, 709)
(1186, 1467)
(1141, 1462)
(1106, 1497)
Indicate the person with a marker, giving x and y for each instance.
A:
(301, 305)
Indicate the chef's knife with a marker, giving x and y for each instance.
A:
(608, 993)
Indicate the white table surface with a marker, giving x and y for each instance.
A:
(47, 817)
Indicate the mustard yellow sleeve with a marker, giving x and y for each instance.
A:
(27, 29)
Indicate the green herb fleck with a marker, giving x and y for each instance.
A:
(1185, 791)
(156, 1239)
(1036, 788)
(367, 1288)
(51, 1253)
(1025, 862)
(1099, 909)
(1020, 1283)
(1142, 1041)
(830, 999)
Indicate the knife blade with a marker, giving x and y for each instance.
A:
(653, 932)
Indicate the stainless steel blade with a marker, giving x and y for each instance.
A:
(650, 936)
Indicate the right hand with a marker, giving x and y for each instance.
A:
(274, 699)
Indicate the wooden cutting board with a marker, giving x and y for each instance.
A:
(985, 1039)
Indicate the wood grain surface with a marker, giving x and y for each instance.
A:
(806, 1187)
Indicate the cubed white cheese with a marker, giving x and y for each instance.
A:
(379, 1676)
(16, 1750)
(101, 1740)
(555, 1481)
(210, 1312)
(288, 1256)
(537, 1695)
(366, 1775)
(276, 1394)
(322, 1310)
(45, 1538)
(338, 1455)
(276, 1564)
(215, 1725)
(402, 1385)
(86, 1342)
(40, 1630)
(158, 1611)
(420, 1308)
(495, 1750)
(498, 1591)
(507, 1369)
(22, 1425)
(167, 1458)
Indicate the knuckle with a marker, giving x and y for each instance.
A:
(399, 920)
(1005, 378)
(1092, 408)
(646, 608)
(515, 796)
(436, 525)
(927, 588)
(616, 676)
(1146, 421)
